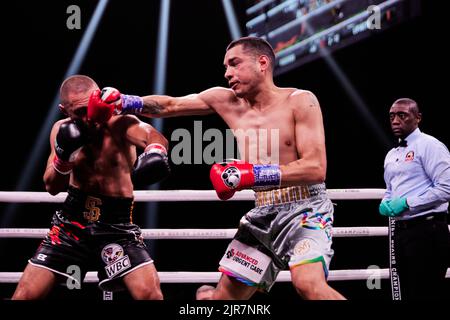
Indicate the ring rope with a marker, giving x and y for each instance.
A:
(197, 233)
(184, 195)
(213, 277)
(348, 232)
(209, 277)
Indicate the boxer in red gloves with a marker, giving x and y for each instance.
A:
(292, 221)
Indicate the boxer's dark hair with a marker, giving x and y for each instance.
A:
(256, 46)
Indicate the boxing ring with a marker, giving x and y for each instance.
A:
(203, 195)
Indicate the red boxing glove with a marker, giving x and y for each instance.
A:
(109, 101)
(227, 178)
(103, 104)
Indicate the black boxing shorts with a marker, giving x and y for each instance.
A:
(93, 233)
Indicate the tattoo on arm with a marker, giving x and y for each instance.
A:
(152, 107)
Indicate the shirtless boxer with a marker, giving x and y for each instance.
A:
(97, 165)
(292, 221)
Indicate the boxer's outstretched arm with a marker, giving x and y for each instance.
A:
(105, 103)
(157, 106)
(310, 143)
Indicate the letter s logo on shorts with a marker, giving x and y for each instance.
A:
(116, 262)
(231, 177)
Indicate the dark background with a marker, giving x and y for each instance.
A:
(408, 60)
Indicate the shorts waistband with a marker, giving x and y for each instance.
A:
(86, 207)
(288, 194)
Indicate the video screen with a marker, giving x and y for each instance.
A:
(302, 30)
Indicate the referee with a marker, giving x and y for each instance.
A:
(417, 176)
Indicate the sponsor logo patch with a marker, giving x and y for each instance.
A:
(302, 247)
(245, 261)
(41, 257)
(116, 262)
(409, 156)
(231, 177)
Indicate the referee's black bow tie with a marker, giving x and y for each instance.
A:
(402, 143)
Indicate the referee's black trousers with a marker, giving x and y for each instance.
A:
(422, 252)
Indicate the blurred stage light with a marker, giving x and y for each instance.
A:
(37, 153)
(159, 87)
(233, 25)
